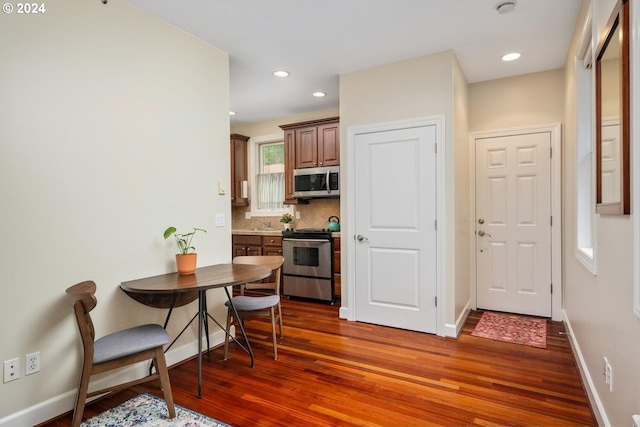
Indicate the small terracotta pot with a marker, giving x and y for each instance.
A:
(186, 263)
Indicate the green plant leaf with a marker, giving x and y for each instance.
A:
(169, 231)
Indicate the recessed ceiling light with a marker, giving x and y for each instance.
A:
(232, 113)
(510, 56)
(281, 73)
(319, 94)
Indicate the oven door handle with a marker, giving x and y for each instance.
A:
(320, 241)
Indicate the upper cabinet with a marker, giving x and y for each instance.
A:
(239, 169)
(316, 143)
(309, 145)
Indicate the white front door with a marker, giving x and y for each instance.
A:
(513, 223)
(394, 225)
(611, 175)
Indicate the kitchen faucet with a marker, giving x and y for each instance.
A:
(267, 223)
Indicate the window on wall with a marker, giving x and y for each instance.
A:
(270, 176)
(267, 167)
(585, 138)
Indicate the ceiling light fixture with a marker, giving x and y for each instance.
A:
(319, 94)
(506, 6)
(232, 113)
(510, 56)
(281, 73)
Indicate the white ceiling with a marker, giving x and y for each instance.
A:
(317, 40)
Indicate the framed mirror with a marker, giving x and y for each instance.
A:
(613, 195)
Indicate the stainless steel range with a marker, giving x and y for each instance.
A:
(308, 264)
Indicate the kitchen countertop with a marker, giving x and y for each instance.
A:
(263, 232)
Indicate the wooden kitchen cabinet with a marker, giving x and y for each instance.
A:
(256, 245)
(309, 145)
(271, 245)
(289, 166)
(246, 245)
(337, 271)
(239, 169)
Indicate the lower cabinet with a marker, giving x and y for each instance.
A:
(271, 245)
(256, 245)
(246, 245)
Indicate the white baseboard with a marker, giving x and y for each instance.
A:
(62, 403)
(592, 394)
(454, 330)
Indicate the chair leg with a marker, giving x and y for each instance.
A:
(165, 383)
(226, 337)
(273, 334)
(280, 320)
(81, 398)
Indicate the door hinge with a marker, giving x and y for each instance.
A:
(435, 148)
(552, 289)
(436, 301)
(435, 224)
(551, 220)
(550, 151)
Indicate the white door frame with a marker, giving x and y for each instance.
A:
(556, 207)
(348, 228)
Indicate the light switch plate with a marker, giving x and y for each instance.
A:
(219, 220)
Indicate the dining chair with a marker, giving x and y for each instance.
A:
(115, 350)
(262, 303)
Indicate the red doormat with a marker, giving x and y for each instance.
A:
(512, 328)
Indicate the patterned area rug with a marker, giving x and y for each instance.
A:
(146, 410)
(512, 328)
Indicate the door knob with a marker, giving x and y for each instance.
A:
(481, 221)
(360, 238)
(482, 233)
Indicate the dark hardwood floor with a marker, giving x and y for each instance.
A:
(332, 372)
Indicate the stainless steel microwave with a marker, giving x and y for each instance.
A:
(317, 182)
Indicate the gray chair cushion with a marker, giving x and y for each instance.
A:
(129, 341)
(244, 303)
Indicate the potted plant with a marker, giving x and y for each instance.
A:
(286, 220)
(187, 258)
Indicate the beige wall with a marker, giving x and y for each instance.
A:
(599, 308)
(530, 99)
(113, 126)
(418, 87)
(461, 185)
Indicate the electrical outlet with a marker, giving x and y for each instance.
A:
(11, 370)
(608, 374)
(32, 363)
(247, 215)
(297, 214)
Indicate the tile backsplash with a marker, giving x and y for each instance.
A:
(313, 215)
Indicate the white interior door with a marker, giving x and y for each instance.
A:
(395, 213)
(513, 223)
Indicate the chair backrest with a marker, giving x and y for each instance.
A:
(84, 293)
(272, 262)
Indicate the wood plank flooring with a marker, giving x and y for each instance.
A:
(332, 372)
